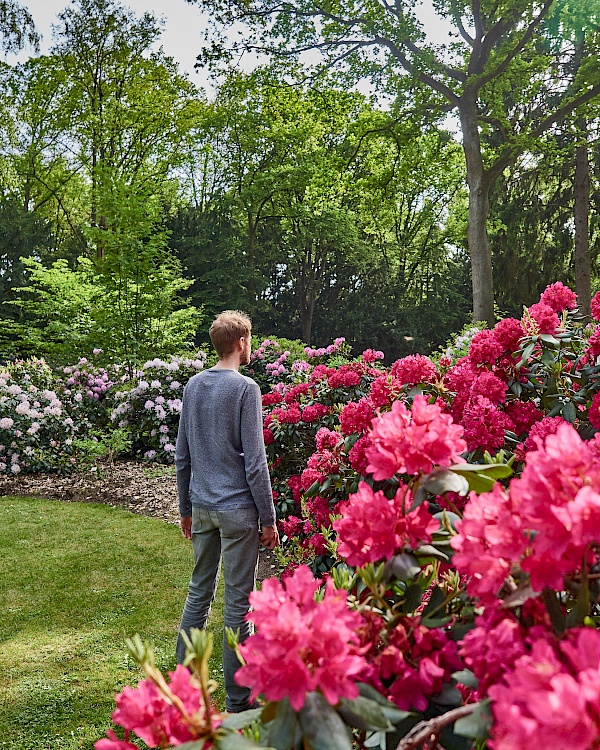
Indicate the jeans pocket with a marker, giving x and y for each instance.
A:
(236, 523)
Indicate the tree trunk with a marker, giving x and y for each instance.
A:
(581, 193)
(479, 206)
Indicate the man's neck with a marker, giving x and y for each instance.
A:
(229, 363)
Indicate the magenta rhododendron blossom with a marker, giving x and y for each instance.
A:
(485, 425)
(414, 369)
(146, 712)
(559, 297)
(356, 417)
(508, 333)
(594, 412)
(373, 528)
(490, 536)
(551, 698)
(485, 348)
(301, 645)
(595, 306)
(413, 442)
(112, 742)
(544, 317)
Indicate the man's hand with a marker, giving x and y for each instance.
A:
(269, 537)
(186, 526)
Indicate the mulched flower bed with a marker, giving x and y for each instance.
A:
(125, 484)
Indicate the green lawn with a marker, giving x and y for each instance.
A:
(75, 580)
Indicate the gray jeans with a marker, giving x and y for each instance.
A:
(232, 535)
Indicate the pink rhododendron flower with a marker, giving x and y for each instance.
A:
(114, 743)
(595, 306)
(593, 344)
(343, 378)
(356, 417)
(540, 431)
(294, 483)
(559, 297)
(294, 394)
(370, 355)
(485, 426)
(272, 398)
(314, 412)
(508, 333)
(490, 537)
(413, 442)
(384, 390)
(551, 697)
(326, 438)
(268, 436)
(145, 711)
(414, 369)
(372, 527)
(594, 412)
(523, 415)
(301, 645)
(357, 455)
(544, 317)
(485, 348)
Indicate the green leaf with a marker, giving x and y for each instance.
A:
(313, 490)
(444, 480)
(548, 338)
(393, 713)
(569, 411)
(554, 607)
(429, 551)
(476, 724)
(284, 731)
(322, 725)
(436, 600)
(404, 567)
(412, 597)
(496, 471)
(527, 352)
(448, 696)
(235, 741)
(242, 719)
(363, 713)
(467, 678)
(193, 745)
(582, 605)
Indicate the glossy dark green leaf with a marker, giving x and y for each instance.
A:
(569, 411)
(445, 480)
(363, 713)
(235, 741)
(476, 724)
(430, 552)
(436, 600)
(412, 597)
(467, 678)
(284, 731)
(404, 567)
(448, 696)
(322, 725)
(392, 712)
(242, 719)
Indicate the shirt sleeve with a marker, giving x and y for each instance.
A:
(255, 457)
(183, 464)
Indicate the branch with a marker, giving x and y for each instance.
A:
(478, 21)
(426, 730)
(512, 151)
(462, 31)
(497, 32)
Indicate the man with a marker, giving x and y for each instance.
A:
(224, 489)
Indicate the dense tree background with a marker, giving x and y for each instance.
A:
(133, 207)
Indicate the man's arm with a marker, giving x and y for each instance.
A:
(183, 464)
(255, 458)
(269, 537)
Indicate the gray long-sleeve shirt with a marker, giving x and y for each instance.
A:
(220, 453)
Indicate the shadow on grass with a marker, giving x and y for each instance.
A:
(76, 580)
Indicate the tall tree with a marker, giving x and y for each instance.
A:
(16, 27)
(500, 47)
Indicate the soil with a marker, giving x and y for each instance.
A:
(124, 484)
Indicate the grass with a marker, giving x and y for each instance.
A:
(76, 580)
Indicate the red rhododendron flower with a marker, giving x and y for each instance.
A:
(268, 436)
(356, 417)
(317, 510)
(411, 665)
(595, 306)
(593, 344)
(508, 333)
(114, 743)
(523, 415)
(372, 527)
(484, 348)
(384, 390)
(413, 442)
(292, 526)
(314, 412)
(301, 645)
(485, 425)
(594, 412)
(370, 355)
(489, 385)
(289, 415)
(294, 394)
(414, 369)
(326, 438)
(559, 297)
(294, 483)
(358, 454)
(546, 320)
(343, 378)
(550, 699)
(272, 398)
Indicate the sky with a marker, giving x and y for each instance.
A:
(183, 30)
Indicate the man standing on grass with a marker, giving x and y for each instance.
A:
(224, 489)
